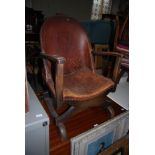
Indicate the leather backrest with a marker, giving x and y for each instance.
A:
(64, 36)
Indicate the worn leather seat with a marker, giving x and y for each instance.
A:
(87, 86)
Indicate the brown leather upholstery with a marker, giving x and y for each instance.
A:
(84, 85)
(64, 36)
(69, 69)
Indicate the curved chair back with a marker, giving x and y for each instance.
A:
(64, 36)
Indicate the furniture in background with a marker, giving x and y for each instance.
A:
(115, 20)
(122, 45)
(106, 63)
(100, 31)
(33, 22)
(100, 61)
(36, 127)
(33, 64)
(69, 72)
(102, 35)
(101, 137)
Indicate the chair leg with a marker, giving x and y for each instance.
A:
(111, 111)
(59, 119)
(119, 76)
(62, 131)
(51, 107)
(65, 115)
(59, 122)
(109, 108)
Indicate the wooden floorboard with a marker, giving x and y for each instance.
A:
(76, 125)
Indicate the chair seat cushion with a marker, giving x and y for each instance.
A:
(84, 85)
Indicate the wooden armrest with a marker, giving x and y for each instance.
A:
(58, 82)
(54, 58)
(117, 62)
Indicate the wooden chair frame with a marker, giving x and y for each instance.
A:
(73, 109)
(56, 81)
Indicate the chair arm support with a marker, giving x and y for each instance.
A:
(59, 73)
(117, 62)
(54, 58)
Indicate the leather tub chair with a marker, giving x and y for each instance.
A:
(69, 70)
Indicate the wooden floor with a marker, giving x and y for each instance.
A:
(78, 124)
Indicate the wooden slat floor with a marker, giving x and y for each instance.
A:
(76, 125)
